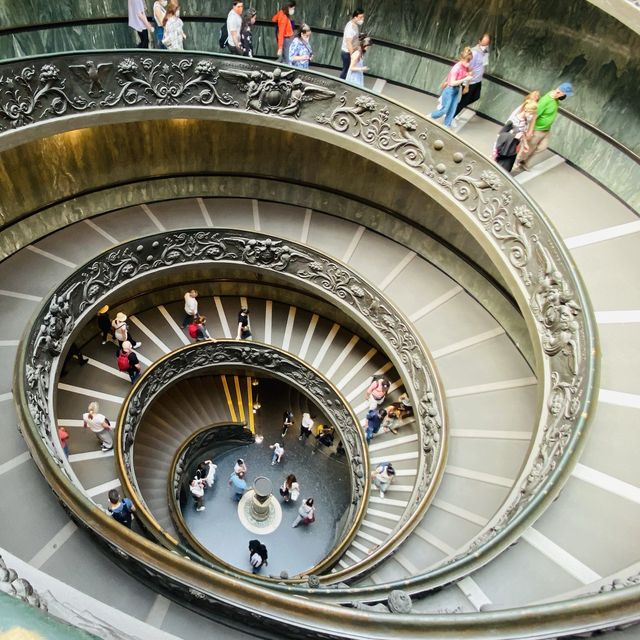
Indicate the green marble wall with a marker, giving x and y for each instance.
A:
(537, 44)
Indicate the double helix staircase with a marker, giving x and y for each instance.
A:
(491, 392)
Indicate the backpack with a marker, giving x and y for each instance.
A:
(122, 515)
(123, 361)
(224, 36)
(193, 330)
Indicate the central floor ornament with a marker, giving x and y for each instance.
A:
(258, 510)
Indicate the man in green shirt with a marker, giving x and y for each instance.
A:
(547, 113)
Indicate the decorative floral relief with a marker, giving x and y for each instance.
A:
(29, 94)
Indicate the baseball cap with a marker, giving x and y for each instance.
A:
(566, 88)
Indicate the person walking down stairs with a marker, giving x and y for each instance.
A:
(99, 424)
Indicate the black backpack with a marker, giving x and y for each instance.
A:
(224, 36)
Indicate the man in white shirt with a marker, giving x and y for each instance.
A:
(477, 66)
(139, 23)
(190, 307)
(234, 28)
(349, 39)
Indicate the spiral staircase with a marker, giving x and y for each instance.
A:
(444, 534)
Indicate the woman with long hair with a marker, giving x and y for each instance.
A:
(452, 87)
(174, 36)
(357, 69)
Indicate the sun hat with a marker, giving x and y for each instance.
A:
(121, 317)
(103, 310)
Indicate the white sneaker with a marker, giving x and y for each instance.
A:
(382, 494)
(104, 342)
(200, 508)
(137, 345)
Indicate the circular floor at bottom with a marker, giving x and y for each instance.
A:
(322, 475)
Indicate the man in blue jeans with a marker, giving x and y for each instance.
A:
(349, 39)
(374, 420)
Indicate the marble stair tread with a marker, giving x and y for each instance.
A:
(231, 213)
(613, 443)
(388, 256)
(480, 133)
(92, 473)
(33, 526)
(31, 273)
(126, 224)
(601, 264)
(468, 367)
(77, 243)
(454, 321)
(579, 206)
(498, 457)
(77, 562)
(12, 319)
(178, 214)
(620, 363)
(331, 235)
(281, 220)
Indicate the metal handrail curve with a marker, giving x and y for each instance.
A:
(380, 42)
(218, 356)
(524, 246)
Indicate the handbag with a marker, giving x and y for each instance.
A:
(310, 518)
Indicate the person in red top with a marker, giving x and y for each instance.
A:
(458, 75)
(63, 435)
(284, 29)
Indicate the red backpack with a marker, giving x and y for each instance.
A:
(123, 361)
(193, 330)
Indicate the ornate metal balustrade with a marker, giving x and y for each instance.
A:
(259, 359)
(525, 248)
(83, 292)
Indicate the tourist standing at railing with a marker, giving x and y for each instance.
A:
(174, 35)
(159, 11)
(306, 513)
(246, 35)
(477, 66)
(300, 51)
(547, 113)
(350, 40)
(285, 27)
(139, 23)
(357, 68)
(458, 74)
(99, 424)
(234, 28)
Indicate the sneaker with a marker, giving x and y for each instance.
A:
(300, 438)
(104, 342)
(137, 345)
(381, 493)
(105, 449)
(273, 462)
(200, 508)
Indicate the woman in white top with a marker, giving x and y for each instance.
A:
(239, 466)
(121, 331)
(99, 425)
(159, 11)
(174, 36)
